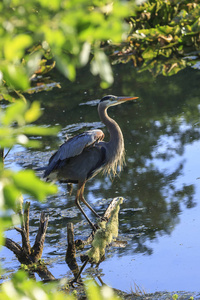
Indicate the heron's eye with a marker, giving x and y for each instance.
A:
(105, 98)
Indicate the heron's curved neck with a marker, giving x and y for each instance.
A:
(115, 147)
(113, 128)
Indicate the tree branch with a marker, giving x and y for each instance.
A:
(70, 257)
(39, 240)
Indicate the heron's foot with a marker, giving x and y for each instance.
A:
(76, 280)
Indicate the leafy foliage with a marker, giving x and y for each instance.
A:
(15, 126)
(20, 288)
(33, 32)
(36, 35)
(164, 38)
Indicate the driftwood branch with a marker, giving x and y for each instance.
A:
(37, 248)
(13, 246)
(26, 220)
(25, 243)
(45, 274)
(70, 257)
(25, 254)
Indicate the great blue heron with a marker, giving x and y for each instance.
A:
(83, 156)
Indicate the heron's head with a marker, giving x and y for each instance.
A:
(111, 100)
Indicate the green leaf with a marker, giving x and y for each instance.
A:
(24, 141)
(33, 62)
(92, 291)
(16, 76)
(85, 53)
(14, 48)
(5, 222)
(196, 26)
(28, 183)
(66, 67)
(149, 53)
(100, 65)
(11, 195)
(33, 113)
(38, 130)
(15, 112)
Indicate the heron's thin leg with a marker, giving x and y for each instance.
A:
(85, 202)
(82, 211)
(70, 188)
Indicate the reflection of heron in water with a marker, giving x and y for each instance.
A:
(85, 155)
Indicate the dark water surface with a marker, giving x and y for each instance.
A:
(160, 182)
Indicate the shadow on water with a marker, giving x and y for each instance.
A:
(158, 192)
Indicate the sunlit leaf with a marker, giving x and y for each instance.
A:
(7, 97)
(28, 183)
(33, 113)
(16, 77)
(15, 112)
(149, 53)
(15, 48)
(11, 194)
(196, 26)
(85, 53)
(52, 4)
(24, 141)
(92, 290)
(100, 65)
(5, 222)
(38, 130)
(66, 67)
(33, 62)
(7, 142)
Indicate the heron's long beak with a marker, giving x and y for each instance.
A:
(124, 99)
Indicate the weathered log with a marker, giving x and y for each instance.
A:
(44, 273)
(26, 219)
(24, 230)
(22, 256)
(112, 206)
(25, 254)
(37, 249)
(70, 257)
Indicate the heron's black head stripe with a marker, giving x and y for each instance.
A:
(106, 98)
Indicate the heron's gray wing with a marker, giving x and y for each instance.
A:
(73, 147)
